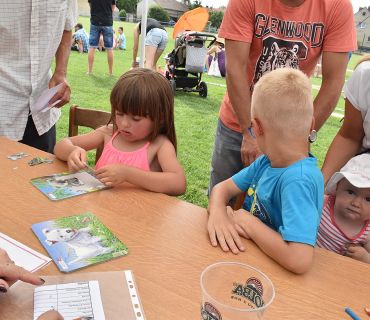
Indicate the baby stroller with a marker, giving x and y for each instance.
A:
(187, 61)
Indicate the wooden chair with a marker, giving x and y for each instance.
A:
(87, 118)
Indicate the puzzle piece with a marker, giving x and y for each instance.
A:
(39, 160)
(20, 155)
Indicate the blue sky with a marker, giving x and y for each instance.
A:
(217, 3)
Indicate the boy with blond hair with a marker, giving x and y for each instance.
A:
(284, 187)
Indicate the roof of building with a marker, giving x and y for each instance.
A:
(214, 9)
(172, 5)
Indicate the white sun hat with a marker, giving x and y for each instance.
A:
(356, 171)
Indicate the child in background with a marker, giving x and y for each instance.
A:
(121, 39)
(114, 39)
(167, 58)
(140, 143)
(345, 221)
(285, 188)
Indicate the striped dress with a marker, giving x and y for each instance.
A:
(331, 237)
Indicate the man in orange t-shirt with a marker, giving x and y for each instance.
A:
(265, 35)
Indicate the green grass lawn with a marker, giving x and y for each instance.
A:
(196, 117)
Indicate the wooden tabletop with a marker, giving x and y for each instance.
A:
(169, 247)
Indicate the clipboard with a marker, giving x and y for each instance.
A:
(118, 290)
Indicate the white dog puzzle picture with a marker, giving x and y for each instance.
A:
(66, 184)
(78, 241)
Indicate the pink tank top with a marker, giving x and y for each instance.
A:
(111, 155)
(331, 237)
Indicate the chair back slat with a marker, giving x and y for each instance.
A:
(87, 118)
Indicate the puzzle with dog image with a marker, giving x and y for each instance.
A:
(79, 241)
(66, 185)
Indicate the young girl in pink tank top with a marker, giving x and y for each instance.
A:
(139, 141)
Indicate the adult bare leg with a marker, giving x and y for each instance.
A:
(207, 63)
(110, 56)
(90, 58)
(152, 55)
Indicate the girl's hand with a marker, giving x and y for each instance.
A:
(357, 252)
(222, 227)
(113, 174)
(51, 315)
(238, 216)
(11, 273)
(77, 159)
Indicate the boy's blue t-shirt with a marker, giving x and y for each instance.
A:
(289, 200)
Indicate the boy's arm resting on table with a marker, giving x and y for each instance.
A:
(73, 149)
(345, 144)
(293, 256)
(220, 226)
(171, 180)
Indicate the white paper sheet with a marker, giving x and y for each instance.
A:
(72, 300)
(44, 99)
(22, 255)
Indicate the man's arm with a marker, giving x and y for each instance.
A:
(80, 47)
(113, 7)
(60, 72)
(237, 54)
(334, 65)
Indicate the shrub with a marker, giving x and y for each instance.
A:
(158, 13)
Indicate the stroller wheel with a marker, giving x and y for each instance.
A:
(203, 89)
(173, 85)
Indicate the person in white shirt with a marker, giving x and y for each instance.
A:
(25, 60)
(354, 135)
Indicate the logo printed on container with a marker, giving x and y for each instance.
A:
(209, 312)
(252, 291)
(62, 264)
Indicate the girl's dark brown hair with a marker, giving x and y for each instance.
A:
(144, 92)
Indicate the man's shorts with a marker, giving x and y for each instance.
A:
(226, 157)
(95, 36)
(157, 38)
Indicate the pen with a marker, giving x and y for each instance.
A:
(351, 313)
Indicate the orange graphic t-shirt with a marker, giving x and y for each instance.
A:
(281, 36)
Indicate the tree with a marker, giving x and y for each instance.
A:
(158, 13)
(127, 5)
(195, 4)
(216, 18)
(122, 14)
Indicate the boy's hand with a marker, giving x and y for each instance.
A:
(220, 226)
(77, 159)
(112, 174)
(238, 216)
(357, 252)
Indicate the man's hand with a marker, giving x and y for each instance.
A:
(249, 150)
(64, 92)
(357, 252)
(113, 174)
